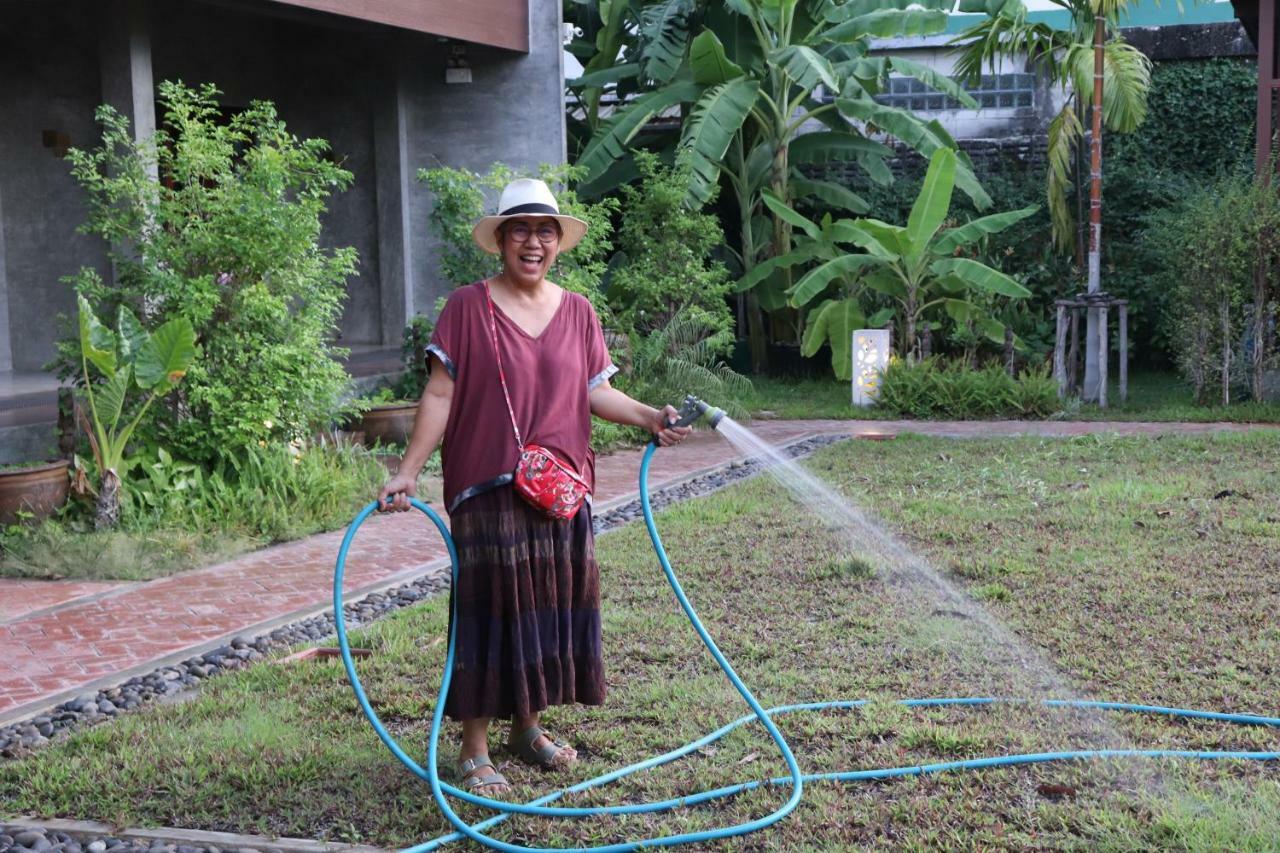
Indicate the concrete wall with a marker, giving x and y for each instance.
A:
(377, 94)
(49, 81)
(521, 101)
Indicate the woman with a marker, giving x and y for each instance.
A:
(528, 595)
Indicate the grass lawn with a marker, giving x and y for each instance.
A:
(1137, 569)
(1153, 396)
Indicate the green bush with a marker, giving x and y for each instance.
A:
(218, 219)
(1204, 251)
(459, 200)
(931, 389)
(664, 265)
(1199, 126)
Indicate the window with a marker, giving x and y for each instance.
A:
(996, 91)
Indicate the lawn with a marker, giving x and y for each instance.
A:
(1136, 569)
(1153, 396)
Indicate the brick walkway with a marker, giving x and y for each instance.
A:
(62, 639)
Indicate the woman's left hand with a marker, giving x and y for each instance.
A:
(666, 434)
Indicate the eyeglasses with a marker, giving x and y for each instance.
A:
(520, 232)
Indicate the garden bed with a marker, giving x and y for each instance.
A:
(1138, 569)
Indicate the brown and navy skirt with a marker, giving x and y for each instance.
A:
(528, 609)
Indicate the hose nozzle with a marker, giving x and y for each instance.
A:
(693, 408)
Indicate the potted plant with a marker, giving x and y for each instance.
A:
(387, 420)
(32, 490)
(391, 411)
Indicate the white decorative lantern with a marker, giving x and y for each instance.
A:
(870, 358)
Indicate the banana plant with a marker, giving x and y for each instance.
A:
(753, 77)
(130, 356)
(919, 266)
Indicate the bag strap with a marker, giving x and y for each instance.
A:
(502, 377)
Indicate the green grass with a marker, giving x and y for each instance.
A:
(1153, 396)
(1167, 397)
(1109, 558)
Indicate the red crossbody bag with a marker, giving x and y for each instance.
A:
(540, 477)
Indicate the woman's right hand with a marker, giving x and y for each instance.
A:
(395, 495)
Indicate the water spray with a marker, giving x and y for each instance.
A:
(690, 411)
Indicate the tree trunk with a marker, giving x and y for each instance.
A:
(749, 303)
(1258, 359)
(1078, 174)
(1200, 359)
(1092, 371)
(909, 332)
(1224, 316)
(755, 335)
(108, 508)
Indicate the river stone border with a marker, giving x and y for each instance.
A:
(22, 737)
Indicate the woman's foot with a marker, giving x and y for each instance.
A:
(536, 747)
(480, 777)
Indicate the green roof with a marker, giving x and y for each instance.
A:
(1145, 13)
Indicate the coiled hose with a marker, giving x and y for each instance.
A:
(441, 791)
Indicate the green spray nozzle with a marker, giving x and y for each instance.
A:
(693, 408)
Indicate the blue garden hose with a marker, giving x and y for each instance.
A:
(796, 780)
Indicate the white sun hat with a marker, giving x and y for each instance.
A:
(527, 197)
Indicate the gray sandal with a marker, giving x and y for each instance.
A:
(470, 781)
(544, 756)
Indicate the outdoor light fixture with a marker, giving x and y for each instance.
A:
(457, 69)
(870, 358)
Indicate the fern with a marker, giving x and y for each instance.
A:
(678, 359)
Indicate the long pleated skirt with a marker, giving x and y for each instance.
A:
(528, 609)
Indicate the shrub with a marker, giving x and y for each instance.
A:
(1204, 253)
(218, 219)
(930, 389)
(664, 266)
(460, 200)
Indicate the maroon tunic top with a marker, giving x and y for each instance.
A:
(549, 379)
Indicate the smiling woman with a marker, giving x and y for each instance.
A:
(519, 366)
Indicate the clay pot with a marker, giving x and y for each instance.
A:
(388, 424)
(38, 490)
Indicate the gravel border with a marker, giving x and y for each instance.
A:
(21, 738)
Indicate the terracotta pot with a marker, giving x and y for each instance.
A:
(39, 490)
(388, 424)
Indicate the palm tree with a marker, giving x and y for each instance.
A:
(1082, 59)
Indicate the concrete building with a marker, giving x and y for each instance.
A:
(394, 85)
(1016, 103)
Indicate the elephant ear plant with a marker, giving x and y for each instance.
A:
(919, 267)
(129, 357)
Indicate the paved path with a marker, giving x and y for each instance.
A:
(63, 639)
